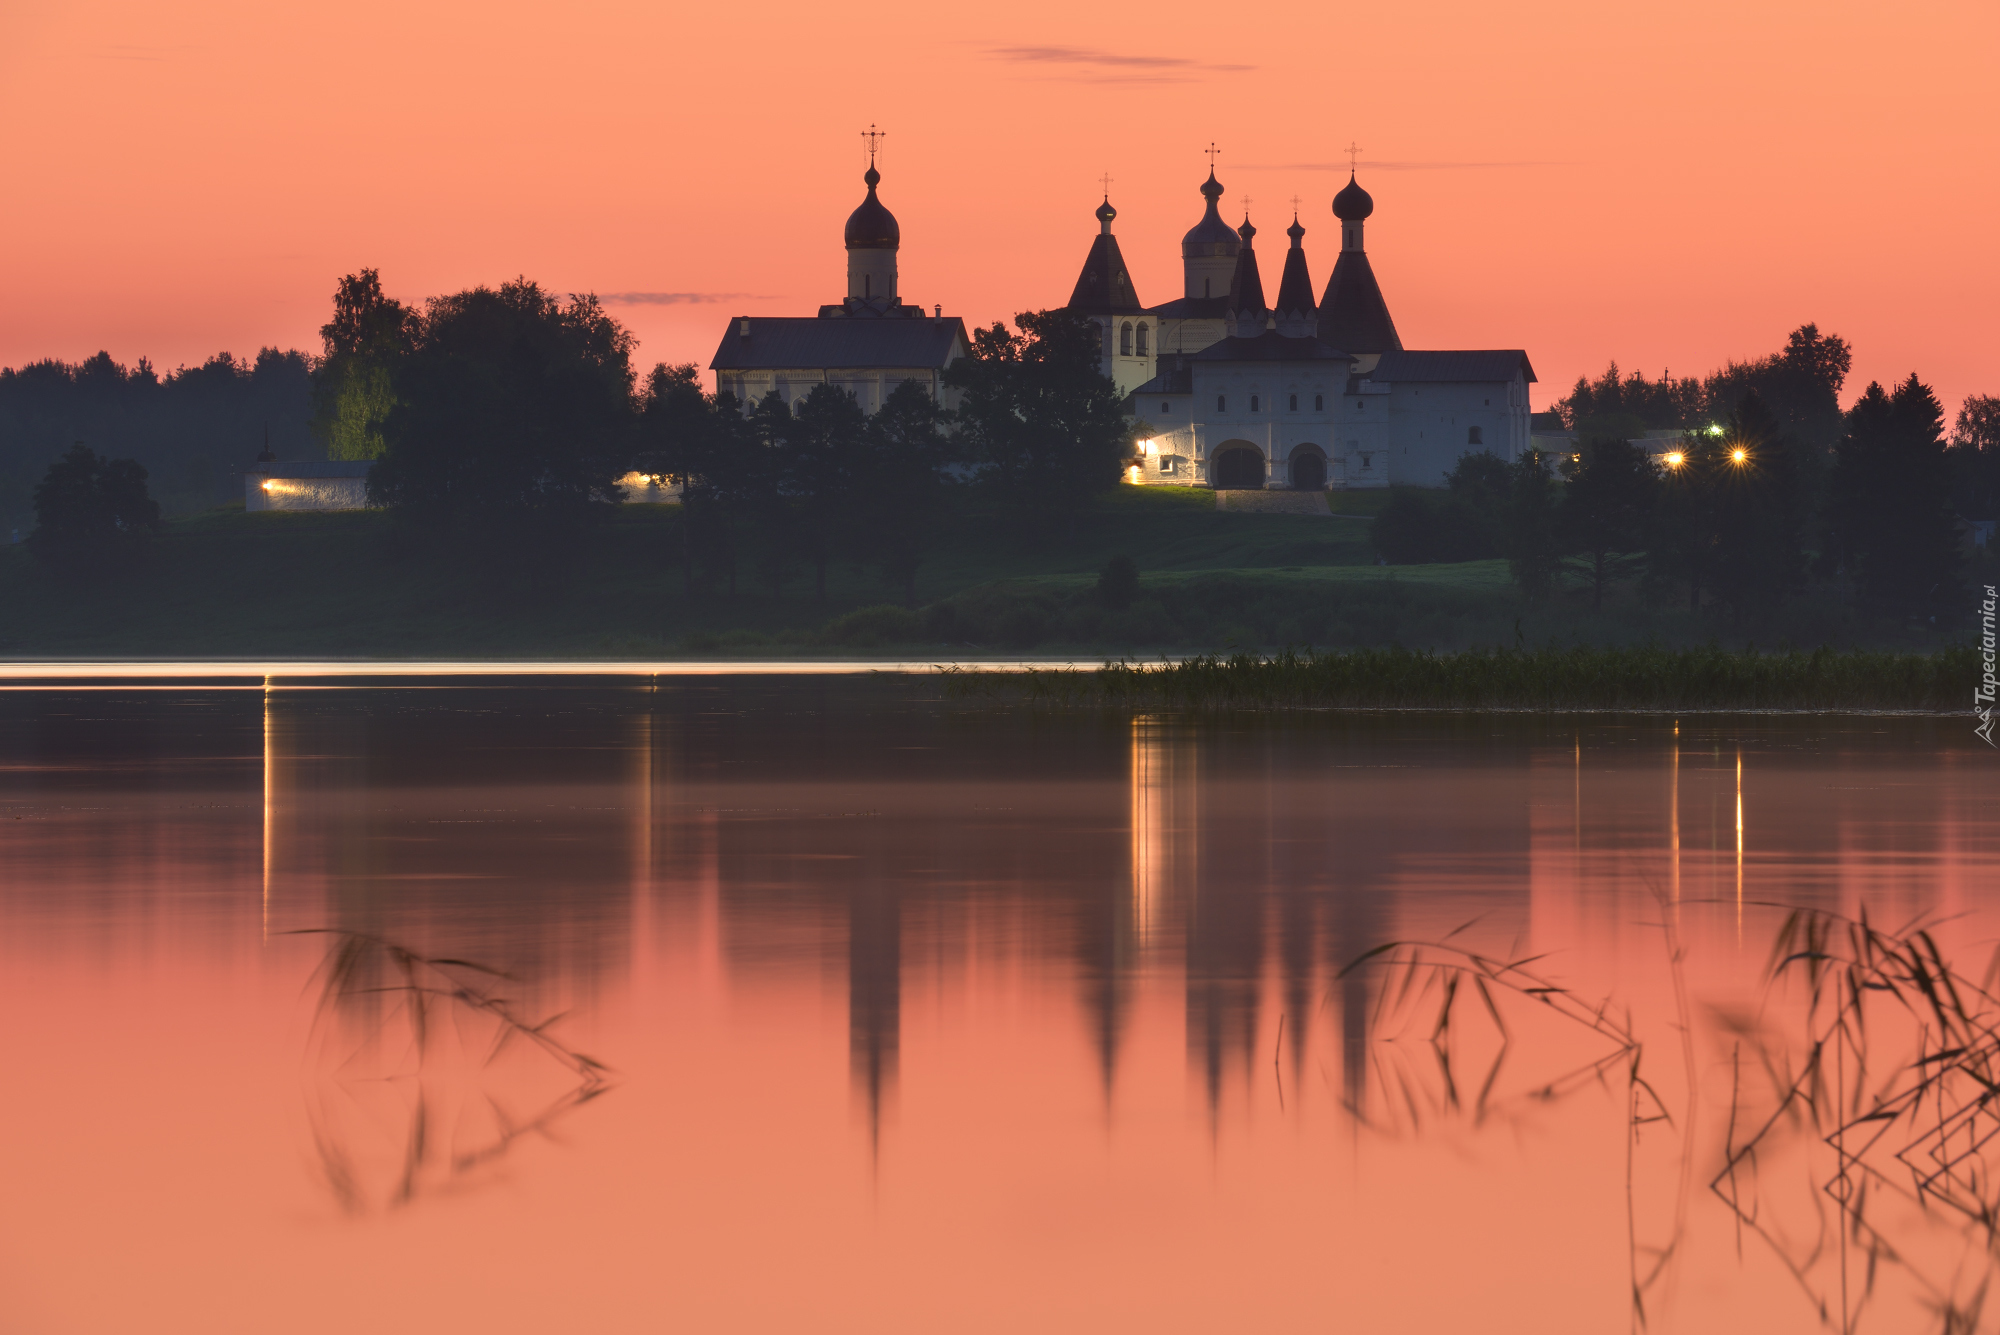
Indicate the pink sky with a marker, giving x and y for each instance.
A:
(1670, 186)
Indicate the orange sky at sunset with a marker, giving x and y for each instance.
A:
(1672, 186)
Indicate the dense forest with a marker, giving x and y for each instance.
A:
(194, 430)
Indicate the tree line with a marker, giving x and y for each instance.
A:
(502, 420)
(193, 430)
(1739, 515)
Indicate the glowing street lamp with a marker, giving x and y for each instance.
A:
(1674, 459)
(1738, 455)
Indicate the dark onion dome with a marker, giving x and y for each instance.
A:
(1353, 203)
(1105, 213)
(873, 227)
(1210, 236)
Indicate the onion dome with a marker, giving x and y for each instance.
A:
(1105, 213)
(1247, 232)
(1353, 203)
(1295, 232)
(873, 227)
(1210, 236)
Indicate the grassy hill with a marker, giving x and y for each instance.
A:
(228, 584)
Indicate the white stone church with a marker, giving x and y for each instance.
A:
(1229, 391)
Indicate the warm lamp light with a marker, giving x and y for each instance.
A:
(1674, 458)
(267, 484)
(1738, 455)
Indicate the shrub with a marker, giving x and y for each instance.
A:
(1118, 585)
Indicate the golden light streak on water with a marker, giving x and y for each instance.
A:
(267, 810)
(1739, 845)
(1674, 818)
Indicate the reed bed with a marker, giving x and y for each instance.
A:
(1640, 679)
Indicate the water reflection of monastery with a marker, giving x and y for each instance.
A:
(1213, 879)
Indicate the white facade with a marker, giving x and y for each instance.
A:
(1432, 425)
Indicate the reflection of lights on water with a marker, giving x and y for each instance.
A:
(1162, 821)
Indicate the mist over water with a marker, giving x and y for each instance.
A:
(754, 1004)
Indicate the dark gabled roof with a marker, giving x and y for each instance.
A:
(1270, 346)
(1481, 367)
(786, 342)
(1191, 308)
(314, 468)
(1175, 377)
(1352, 313)
(1105, 285)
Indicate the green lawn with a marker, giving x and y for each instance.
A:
(231, 584)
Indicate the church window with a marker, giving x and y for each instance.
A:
(1319, 403)
(1166, 407)
(1222, 403)
(1359, 404)
(1142, 340)
(1253, 403)
(1125, 340)
(1366, 461)
(1295, 403)
(1472, 436)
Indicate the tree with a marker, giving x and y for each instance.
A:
(1975, 458)
(701, 443)
(1605, 509)
(91, 514)
(900, 483)
(354, 385)
(1889, 516)
(1534, 553)
(1757, 509)
(820, 444)
(514, 418)
(1043, 426)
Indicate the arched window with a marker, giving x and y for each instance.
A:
(1253, 403)
(1125, 340)
(1319, 403)
(1142, 340)
(1295, 403)
(1472, 436)
(1221, 403)
(1166, 407)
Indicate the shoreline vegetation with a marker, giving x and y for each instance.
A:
(1646, 679)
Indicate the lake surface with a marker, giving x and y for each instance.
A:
(749, 1004)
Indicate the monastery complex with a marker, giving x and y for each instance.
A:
(1229, 390)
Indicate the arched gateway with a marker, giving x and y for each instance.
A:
(1308, 469)
(1237, 466)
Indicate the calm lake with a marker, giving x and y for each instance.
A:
(829, 1004)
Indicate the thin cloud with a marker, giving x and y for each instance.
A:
(1100, 66)
(1384, 166)
(675, 298)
